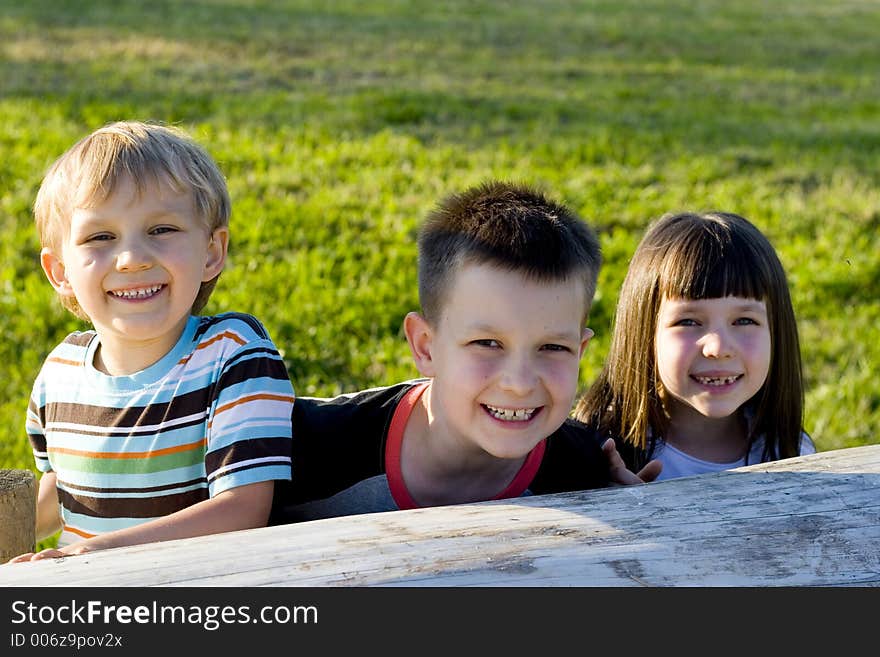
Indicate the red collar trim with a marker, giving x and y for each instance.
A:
(395, 440)
(393, 471)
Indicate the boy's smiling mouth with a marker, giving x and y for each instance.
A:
(511, 414)
(137, 292)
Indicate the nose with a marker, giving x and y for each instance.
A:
(519, 376)
(132, 256)
(716, 344)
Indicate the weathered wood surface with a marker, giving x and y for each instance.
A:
(808, 521)
(18, 498)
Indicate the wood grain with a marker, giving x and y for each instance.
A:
(807, 521)
(18, 498)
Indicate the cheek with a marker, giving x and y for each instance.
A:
(670, 356)
(666, 350)
(83, 265)
(464, 370)
(761, 351)
(664, 372)
(480, 371)
(181, 261)
(561, 375)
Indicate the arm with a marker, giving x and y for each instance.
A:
(619, 475)
(48, 515)
(245, 507)
(248, 423)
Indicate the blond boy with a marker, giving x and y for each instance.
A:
(157, 423)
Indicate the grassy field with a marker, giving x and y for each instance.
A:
(340, 124)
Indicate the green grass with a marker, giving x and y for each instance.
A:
(339, 125)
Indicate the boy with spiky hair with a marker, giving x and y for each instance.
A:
(506, 280)
(157, 424)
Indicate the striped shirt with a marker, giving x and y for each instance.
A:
(213, 414)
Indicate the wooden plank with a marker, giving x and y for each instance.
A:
(809, 521)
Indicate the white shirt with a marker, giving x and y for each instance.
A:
(680, 464)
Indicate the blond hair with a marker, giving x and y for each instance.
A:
(145, 153)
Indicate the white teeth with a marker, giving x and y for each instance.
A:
(717, 380)
(511, 414)
(140, 293)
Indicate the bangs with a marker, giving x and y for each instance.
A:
(102, 166)
(713, 262)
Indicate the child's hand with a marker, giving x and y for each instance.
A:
(620, 475)
(650, 471)
(52, 553)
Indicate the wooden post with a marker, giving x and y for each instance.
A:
(18, 508)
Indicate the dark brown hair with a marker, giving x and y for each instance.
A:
(511, 226)
(696, 256)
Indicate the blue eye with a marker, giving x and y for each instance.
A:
(685, 322)
(744, 321)
(161, 230)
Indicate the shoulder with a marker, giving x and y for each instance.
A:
(339, 441)
(366, 411)
(70, 352)
(237, 326)
(573, 460)
(76, 342)
(79, 338)
(575, 439)
(757, 452)
(232, 349)
(62, 369)
(230, 337)
(807, 445)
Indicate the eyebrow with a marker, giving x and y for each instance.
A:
(90, 220)
(560, 336)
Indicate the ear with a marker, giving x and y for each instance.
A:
(420, 337)
(586, 336)
(216, 255)
(54, 269)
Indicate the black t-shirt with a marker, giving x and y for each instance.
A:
(341, 442)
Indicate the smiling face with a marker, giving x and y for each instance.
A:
(135, 263)
(713, 355)
(504, 357)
